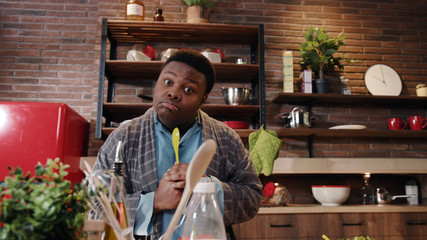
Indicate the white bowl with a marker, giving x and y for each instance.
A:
(331, 195)
(134, 55)
(212, 56)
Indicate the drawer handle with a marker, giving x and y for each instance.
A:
(352, 224)
(415, 223)
(280, 225)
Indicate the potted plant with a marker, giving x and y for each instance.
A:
(198, 10)
(317, 54)
(43, 206)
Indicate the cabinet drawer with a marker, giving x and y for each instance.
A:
(285, 226)
(407, 224)
(344, 225)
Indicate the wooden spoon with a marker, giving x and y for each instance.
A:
(195, 171)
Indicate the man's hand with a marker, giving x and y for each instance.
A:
(171, 186)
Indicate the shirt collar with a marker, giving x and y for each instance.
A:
(193, 129)
(198, 119)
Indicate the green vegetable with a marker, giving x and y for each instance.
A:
(43, 206)
(355, 238)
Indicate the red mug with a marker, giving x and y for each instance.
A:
(417, 122)
(396, 124)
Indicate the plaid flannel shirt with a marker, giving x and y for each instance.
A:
(231, 164)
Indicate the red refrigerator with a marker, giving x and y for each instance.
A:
(32, 132)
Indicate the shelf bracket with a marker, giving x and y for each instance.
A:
(261, 75)
(310, 146)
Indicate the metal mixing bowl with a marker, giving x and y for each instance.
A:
(236, 96)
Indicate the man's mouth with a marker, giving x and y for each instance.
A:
(170, 106)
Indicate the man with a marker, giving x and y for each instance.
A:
(154, 182)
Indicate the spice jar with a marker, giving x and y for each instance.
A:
(158, 16)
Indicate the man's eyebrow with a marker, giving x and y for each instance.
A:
(170, 72)
(193, 81)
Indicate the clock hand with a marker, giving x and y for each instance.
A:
(381, 80)
(382, 75)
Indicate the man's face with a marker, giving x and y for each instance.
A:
(178, 95)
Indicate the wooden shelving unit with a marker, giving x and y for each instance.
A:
(312, 99)
(115, 32)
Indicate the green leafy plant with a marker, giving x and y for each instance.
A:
(317, 52)
(204, 3)
(411, 183)
(44, 206)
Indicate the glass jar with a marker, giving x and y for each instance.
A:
(134, 10)
(345, 86)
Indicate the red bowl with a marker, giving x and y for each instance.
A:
(237, 124)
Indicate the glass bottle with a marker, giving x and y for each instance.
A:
(345, 87)
(368, 194)
(203, 216)
(134, 10)
(116, 195)
(158, 16)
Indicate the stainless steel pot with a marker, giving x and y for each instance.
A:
(383, 196)
(297, 118)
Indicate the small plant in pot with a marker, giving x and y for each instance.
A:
(198, 10)
(44, 206)
(317, 54)
(411, 188)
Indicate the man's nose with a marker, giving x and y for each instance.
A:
(174, 94)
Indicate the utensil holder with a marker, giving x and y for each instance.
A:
(94, 229)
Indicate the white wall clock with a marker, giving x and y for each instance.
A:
(381, 79)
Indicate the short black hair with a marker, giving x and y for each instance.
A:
(198, 62)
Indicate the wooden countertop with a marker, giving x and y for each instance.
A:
(317, 208)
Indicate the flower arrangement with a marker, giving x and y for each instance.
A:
(43, 206)
(204, 3)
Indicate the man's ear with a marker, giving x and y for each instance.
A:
(204, 98)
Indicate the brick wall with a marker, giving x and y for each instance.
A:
(49, 52)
